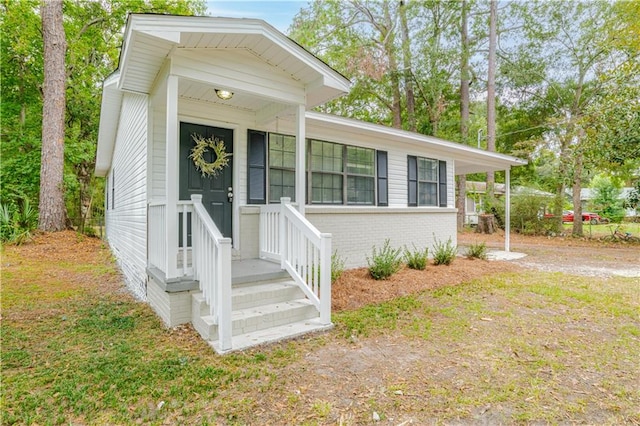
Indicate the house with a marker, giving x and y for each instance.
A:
(588, 194)
(475, 191)
(227, 194)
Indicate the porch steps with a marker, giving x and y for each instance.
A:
(263, 312)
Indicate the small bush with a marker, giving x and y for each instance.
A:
(444, 253)
(337, 266)
(384, 263)
(477, 251)
(416, 259)
(17, 225)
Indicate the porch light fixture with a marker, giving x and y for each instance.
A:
(225, 95)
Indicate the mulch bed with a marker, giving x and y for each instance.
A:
(355, 288)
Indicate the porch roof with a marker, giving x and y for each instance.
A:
(467, 159)
(150, 39)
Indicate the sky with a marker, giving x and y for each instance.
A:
(277, 13)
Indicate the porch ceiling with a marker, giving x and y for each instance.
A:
(151, 39)
(200, 92)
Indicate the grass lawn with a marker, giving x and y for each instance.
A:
(603, 230)
(515, 347)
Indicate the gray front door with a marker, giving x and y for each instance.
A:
(214, 190)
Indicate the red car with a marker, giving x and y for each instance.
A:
(567, 216)
(593, 218)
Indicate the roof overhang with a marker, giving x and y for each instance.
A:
(150, 39)
(467, 159)
(109, 117)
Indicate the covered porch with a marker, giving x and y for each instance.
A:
(226, 76)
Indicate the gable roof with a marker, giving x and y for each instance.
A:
(149, 40)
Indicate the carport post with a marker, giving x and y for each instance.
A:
(507, 209)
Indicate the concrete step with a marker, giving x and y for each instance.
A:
(272, 315)
(258, 318)
(255, 294)
(264, 293)
(256, 307)
(271, 335)
(200, 318)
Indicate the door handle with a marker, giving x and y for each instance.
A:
(230, 194)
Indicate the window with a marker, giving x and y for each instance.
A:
(360, 175)
(327, 172)
(427, 182)
(341, 174)
(336, 173)
(282, 167)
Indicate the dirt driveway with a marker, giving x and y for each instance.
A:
(566, 254)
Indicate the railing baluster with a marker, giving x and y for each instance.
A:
(211, 264)
(287, 236)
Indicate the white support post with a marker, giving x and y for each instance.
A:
(325, 279)
(282, 243)
(507, 209)
(225, 309)
(196, 199)
(171, 177)
(301, 152)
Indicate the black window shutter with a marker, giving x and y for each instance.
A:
(412, 180)
(443, 183)
(256, 167)
(383, 178)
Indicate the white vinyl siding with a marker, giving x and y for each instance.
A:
(159, 147)
(127, 220)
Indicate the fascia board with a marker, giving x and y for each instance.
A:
(483, 159)
(177, 25)
(108, 127)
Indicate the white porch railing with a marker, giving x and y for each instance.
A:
(212, 268)
(157, 235)
(204, 255)
(158, 242)
(270, 232)
(303, 251)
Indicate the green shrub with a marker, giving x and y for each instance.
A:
(337, 266)
(17, 224)
(606, 199)
(416, 259)
(477, 251)
(444, 253)
(384, 263)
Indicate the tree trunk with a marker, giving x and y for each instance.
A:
(52, 213)
(389, 45)
(576, 188)
(408, 78)
(486, 224)
(464, 111)
(491, 91)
